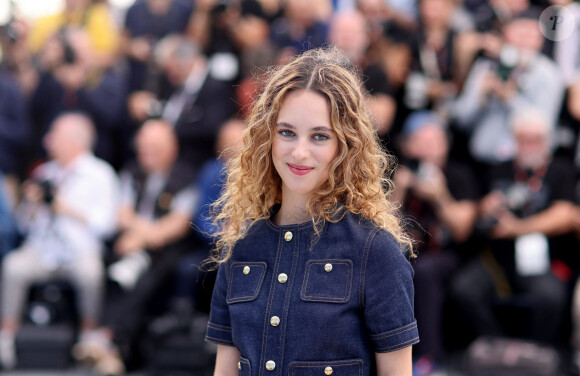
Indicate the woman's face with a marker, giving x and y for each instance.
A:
(304, 143)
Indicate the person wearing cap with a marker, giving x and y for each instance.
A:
(518, 76)
(440, 196)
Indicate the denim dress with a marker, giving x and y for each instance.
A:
(296, 304)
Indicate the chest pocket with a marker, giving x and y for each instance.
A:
(352, 367)
(245, 281)
(328, 281)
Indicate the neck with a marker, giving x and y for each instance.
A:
(67, 159)
(292, 211)
(533, 162)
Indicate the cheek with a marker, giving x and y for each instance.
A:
(277, 155)
(330, 154)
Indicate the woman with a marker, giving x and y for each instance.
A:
(312, 278)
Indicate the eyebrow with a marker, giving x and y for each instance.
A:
(321, 128)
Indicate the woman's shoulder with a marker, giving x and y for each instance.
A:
(366, 230)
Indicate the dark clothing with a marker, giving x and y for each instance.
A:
(200, 120)
(127, 312)
(543, 297)
(493, 280)
(424, 224)
(315, 36)
(557, 183)
(285, 301)
(443, 70)
(15, 131)
(376, 81)
(179, 179)
(210, 182)
(103, 99)
(438, 257)
(140, 23)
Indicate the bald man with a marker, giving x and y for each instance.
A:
(157, 199)
(68, 211)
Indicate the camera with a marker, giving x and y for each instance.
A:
(509, 58)
(11, 32)
(68, 52)
(47, 188)
(416, 87)
(421, 169)
(220, 7)
(517, 198)
(155, 109)
(412, 164)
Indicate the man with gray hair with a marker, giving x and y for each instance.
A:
(68, 209)
(527, 211)
(517, 76)
(201, 99)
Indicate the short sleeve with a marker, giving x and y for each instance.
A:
(561, 181)
(219, 329)
(185, 200)
(128, 196)
(388, 295)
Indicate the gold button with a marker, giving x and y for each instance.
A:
(239, 365)
(282, 278)
(328, 371)
(246, 269)
(270, 365)
(328, 268)
(275, 321)
(288, 236)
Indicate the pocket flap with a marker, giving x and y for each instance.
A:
(327, 281)
(245, 281)
(350, 367)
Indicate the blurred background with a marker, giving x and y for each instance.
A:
(117, 118)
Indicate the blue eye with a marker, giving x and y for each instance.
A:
(286, 133)
(320, 137)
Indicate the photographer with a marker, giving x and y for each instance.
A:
(157, 199)
(67, 212)
(432, 82)
(519, 76)
(93, 17)
(440, 196)
(146, 23)
(200, 102)
(529, 205)
(70, 80)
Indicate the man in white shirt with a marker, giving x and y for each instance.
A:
(69, 208)
(519, 78)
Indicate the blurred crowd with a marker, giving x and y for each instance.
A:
(115, 125)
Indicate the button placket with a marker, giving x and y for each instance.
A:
(274, 342)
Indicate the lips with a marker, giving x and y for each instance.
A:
(299, 169)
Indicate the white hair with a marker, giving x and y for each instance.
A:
(531, 117)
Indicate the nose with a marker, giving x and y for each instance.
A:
(301, 150)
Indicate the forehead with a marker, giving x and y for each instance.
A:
(303, 107)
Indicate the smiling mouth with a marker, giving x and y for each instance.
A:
(299, 169)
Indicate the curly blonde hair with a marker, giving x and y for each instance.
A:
(357, 179)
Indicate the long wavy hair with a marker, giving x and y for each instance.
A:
(358, 177)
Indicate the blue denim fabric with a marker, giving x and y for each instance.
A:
(347, 296)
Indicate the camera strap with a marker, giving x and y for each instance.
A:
(532, 178)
